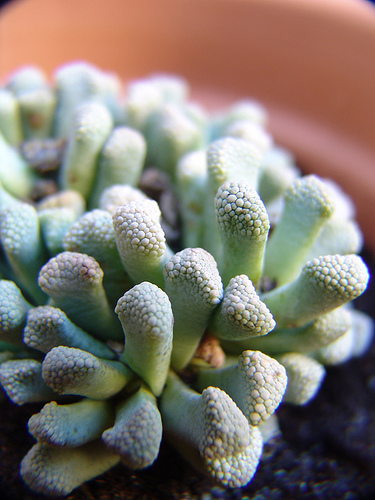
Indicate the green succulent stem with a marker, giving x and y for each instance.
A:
(74, 282)
(304, 339)
(305, 376)
(68, 370)
(256, 383)
(243, 226)
(23, 382)
(324, 284)
(10, 118)
(241, 314)
(92, 126)
(71, 424)
(228, 159)
(13, 313)
(22, 243)
(307, 206)
(121, 161)
(137, 431)
(194, 286)
(141, 241)
(212, 424)
(49, 327)
(146, 316)
(57, 471)
(93, 234)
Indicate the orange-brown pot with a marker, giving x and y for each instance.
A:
(310, 62)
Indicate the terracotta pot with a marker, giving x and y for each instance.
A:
(310, 62)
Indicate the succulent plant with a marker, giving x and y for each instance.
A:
(163, 271)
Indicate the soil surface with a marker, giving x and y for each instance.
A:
(327, 448)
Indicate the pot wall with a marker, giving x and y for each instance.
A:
(310, 62)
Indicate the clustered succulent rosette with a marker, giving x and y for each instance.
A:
(163, 271)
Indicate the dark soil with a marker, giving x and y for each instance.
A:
(327, 450)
